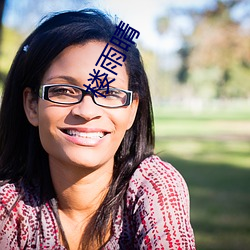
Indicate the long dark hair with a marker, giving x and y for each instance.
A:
(22, 158)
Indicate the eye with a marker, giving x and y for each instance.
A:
(112, 93)
(115, 94)
(63, 90)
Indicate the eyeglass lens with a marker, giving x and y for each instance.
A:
(69, 94)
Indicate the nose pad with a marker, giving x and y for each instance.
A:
(87, 108)
(87, 100)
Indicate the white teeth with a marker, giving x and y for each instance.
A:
(84, 134)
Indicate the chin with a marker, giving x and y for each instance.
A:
(88, 159)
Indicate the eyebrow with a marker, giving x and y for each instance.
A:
(74, 81)
(67, 78)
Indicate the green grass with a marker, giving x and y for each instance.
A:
(212, 152)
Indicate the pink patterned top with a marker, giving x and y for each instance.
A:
(156, 214)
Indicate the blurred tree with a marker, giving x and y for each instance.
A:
(184, 53)
(25, 16)
(162, 24)
(219, 42)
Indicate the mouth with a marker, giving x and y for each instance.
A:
(90, 135)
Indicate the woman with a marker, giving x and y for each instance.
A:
(77, 169)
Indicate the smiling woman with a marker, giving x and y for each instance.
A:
(77, 170)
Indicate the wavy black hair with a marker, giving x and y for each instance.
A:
(22, 157)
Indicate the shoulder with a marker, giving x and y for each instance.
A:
(15, 198)
(155, 175)
(21, 213)
(9, 193)
(157, 207)
(157, 184)
(153, 165)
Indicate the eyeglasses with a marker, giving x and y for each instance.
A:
(69, 94)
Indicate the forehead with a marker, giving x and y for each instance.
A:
(79, 61)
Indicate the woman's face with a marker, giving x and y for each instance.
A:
(83, 134)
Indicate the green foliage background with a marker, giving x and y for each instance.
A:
(9, 46)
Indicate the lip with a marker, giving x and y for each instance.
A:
(85, 141)
(86, 130)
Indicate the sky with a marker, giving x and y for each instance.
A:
(139, 14)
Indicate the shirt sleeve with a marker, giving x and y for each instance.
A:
(158, 201)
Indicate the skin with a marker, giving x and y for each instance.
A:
(80, 167)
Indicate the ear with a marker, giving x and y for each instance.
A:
(30, 105)
(133, 107)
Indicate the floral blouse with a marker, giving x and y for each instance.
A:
(156, 214)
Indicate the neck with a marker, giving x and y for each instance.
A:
(80, 190)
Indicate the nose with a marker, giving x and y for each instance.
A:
(87, 109)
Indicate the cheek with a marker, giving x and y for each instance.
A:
(122, 120)
(48, 118)
(129, 116)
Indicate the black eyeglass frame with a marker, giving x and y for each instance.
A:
(44, 94)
